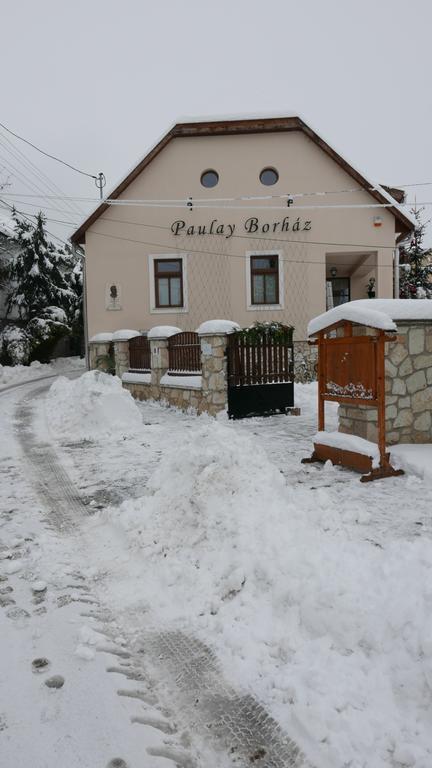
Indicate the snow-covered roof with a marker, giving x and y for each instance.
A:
(374, 313)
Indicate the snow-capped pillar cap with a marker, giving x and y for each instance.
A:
(125, 334)
(217, 327)
(162, 331)
(101, 337)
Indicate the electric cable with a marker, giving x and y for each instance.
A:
(47, 154)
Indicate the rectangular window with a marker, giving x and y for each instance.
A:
(168, 283)
(264, 279)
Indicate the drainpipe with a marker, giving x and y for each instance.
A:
(396, 272)
(81, 254)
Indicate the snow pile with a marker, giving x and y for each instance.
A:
(163, 331)
(15, 374)
(363, 315)
(332, 632)
(102, 337)
(186, 381)
(415, 459)
(93, 406)
(352, 443)
(192, 517)
(218, 326)
(124, 334)
(374, 313)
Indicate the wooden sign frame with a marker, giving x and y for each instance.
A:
(366, 354)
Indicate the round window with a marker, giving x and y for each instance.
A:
(269, 176)
(209, 178)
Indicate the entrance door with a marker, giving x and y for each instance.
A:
(338, 291)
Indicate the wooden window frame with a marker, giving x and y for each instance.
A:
(262, 271)
(158, 275)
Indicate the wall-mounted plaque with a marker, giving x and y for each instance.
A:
(113, 296)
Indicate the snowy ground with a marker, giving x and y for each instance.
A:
(190, 537)
(16, 374)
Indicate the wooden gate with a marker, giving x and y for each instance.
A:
(260, 374)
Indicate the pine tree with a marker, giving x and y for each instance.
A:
(40, 291)
(416, 270)
(37, 273)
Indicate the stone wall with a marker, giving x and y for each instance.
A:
(181, 397)
(305, 362)
(210, 398)
(408, 384)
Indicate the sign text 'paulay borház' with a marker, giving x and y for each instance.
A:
(252, 226)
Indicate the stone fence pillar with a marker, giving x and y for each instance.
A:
(214, 379)
(158, 338)
(99, 349)
(121, 350)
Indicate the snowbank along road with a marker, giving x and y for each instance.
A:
(183, 591)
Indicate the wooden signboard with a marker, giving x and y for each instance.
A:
(351, 371)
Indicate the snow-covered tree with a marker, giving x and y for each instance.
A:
(37, 274)
(416, 265)
(42, 291)
(75, 311)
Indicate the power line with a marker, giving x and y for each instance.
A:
(18, 173)
(241, 256)
(37, 172)
(366, 246)
(248, 237)
(228, 255)
(47, 154)
(11, 208)
(187, 204)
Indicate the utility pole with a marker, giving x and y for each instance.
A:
(100, 182)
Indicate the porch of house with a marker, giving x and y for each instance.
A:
(349, 276)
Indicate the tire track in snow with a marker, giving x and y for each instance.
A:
(235, 722)
(55, 489)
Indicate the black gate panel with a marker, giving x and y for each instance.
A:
(260, 373)
(260, 399)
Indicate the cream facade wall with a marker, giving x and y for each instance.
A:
(120, 245)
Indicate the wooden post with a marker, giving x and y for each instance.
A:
(321, 372)
(380, 373)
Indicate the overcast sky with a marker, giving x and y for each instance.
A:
(96, 82)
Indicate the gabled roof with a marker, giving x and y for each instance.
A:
(239, 126)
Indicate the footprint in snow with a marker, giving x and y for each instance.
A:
(17, 614)
(40, 665)
(6, 600)
(63, 600)
(117, 762)
(56, 681)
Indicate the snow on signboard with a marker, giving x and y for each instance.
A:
(374, 313)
